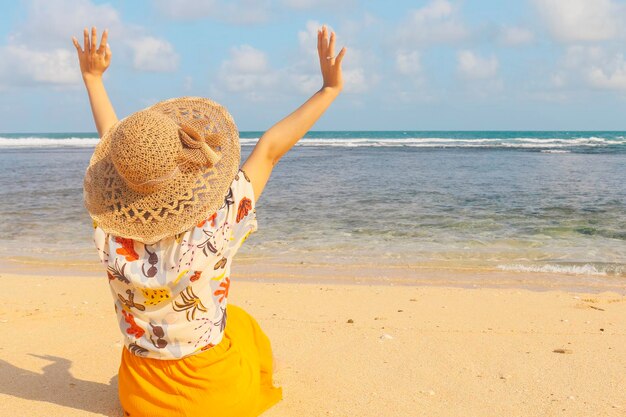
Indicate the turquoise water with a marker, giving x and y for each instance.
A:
(502, 201)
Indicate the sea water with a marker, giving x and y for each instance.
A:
(547, 202)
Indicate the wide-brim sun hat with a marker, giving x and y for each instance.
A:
(161, 170)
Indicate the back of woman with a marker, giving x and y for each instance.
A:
(171, 301)
(171, 206)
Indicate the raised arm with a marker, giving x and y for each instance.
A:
(94, 61)
(281, 137)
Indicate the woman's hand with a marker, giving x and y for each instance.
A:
(330, 65)
(93, 60)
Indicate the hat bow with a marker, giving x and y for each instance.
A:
(196, 149)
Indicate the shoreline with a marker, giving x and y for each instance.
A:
(433, 275)
(341, 349)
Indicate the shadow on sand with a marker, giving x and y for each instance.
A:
(58, 386)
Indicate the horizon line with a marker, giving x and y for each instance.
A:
(370, 130)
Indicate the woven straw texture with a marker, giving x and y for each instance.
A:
(160, 171)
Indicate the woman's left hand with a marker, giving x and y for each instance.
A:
(93, 60)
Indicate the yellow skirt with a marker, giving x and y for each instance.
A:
(233, 378)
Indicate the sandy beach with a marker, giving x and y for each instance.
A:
(343, 350)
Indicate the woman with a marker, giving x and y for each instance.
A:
(171, 206)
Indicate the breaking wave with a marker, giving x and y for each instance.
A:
(547, 145)
(586, 269)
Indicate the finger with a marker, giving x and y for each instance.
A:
(331, 47)
(94, 40)
(319, 42)
(325, 40)
(86, 40)
(107, 53)
(340, 56)
(76, 44)
(103, 41)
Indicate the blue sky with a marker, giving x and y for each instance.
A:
(410, 65)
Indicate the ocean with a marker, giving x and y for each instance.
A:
(547, 203)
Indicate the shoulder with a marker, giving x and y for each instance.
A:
(241, 189)
(241, 177)
(245, 176)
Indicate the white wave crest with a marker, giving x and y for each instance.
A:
(554, 145)
(34, 142)
(509, 143)
(558, 269)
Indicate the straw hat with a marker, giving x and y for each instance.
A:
(160, 171)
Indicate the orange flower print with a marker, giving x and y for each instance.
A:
(223, 290)
(212, 219)
(244, 207)
(127, 249)
(133, 329)
(196, 276)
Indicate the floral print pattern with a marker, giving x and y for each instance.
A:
(170, 297)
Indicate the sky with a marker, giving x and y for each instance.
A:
(410, 65)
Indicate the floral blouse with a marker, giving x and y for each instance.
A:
(170, 297)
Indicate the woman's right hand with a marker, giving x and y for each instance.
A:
(93, 60)
(330, 65)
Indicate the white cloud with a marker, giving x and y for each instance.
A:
(408, 62)
(613, 81)
(51, 23)
(248, 60)
(40, 50)
(355, 80)
(20, 65)
(558, 80)
(237, 11)
(247, 71)
(597, 67)
(153, 54)
(316, 4)
(472, 66)
(307, 38)
(305, 83)
(369, 26)
(514, 36)
(577, 57)
(410, 85)
(611, 77)
(355, 77)
(437, 22)
(187, 9)
(436, 9)
(246, 12)
(582, 20)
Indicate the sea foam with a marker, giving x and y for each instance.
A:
(36, 142)
(553, 145)
(586, 269)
